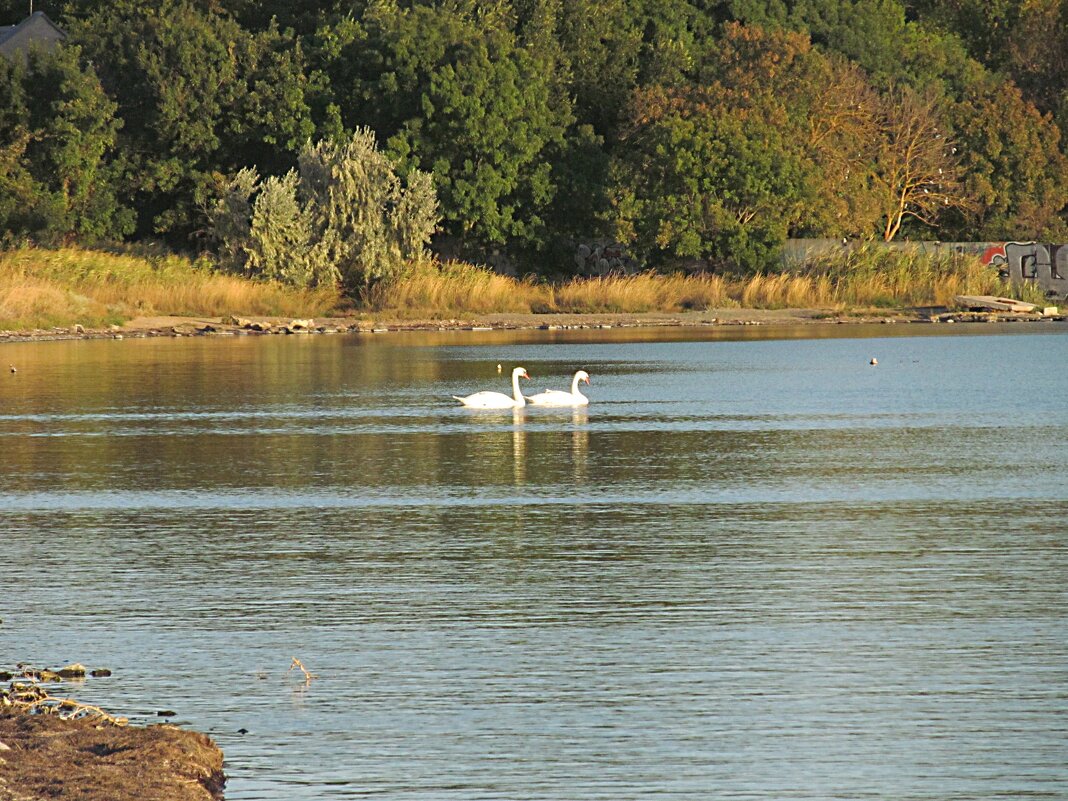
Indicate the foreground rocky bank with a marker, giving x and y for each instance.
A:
(46, 757)
(56, 748)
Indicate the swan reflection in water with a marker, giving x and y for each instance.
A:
(580, 443)
(519, 448)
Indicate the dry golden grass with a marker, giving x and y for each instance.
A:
(439, 289)
(35, 303)
(642, 292)
(785, 291)
(43, 288)
(868, 277)
(432, 289)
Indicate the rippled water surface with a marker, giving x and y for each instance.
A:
(754, 568)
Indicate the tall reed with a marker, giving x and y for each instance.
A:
(435, 289)
(643, 292)
(864, 278)
(873, 275)
(42, 288)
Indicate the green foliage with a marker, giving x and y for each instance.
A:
(366, 224)
(1013, 167)
(704, 178)
(1021, 40)
(227, 206)
(876, 35)
(705, 130)
(198, 93)
(344, 217)
(57, 134)
(870, 32)
(601, 49)
(727, 171)
(280, 235)
(454, 92)
(580, 172)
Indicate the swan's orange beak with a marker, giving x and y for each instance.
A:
(524, 374)
(586, 379)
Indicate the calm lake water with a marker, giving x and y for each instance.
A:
(754, 568)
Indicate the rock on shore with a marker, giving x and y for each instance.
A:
(46, 757)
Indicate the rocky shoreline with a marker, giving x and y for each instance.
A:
(57, 748)
(144, 327)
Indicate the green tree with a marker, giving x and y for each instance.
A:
(1013, 167)
(877, 35)
(601, 50)
(725, 171)
(703, 177)
(454, 92)
(1023, 40)
(983, 24)
(58, 132)
(1037, 50)
(198, 94)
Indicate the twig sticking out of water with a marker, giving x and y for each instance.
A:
(308, 675)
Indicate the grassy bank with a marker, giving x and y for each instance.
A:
(863, 279)
(43, 288)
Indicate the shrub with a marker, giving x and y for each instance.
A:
(344, 216)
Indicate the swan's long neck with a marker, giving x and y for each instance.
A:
(574, 385)
(515, 390)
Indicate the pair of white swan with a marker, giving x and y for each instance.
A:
(550, 397)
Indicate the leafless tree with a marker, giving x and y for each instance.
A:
(915, 169)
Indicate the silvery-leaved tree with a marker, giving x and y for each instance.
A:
(344, 216)
(280, 236)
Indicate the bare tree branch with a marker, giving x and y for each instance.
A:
(916, 169)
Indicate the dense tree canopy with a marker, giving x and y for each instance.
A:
(57, 132)
(196, 93)
(706, 131)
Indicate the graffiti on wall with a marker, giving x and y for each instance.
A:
(1018, 262)
(1046, 265)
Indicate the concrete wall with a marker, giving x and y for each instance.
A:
(1020, 262)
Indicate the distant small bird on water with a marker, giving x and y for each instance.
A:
(13, 369)
(498, 368)
(873, 360)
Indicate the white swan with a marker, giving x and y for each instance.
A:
(557, 397)
(498, 400)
